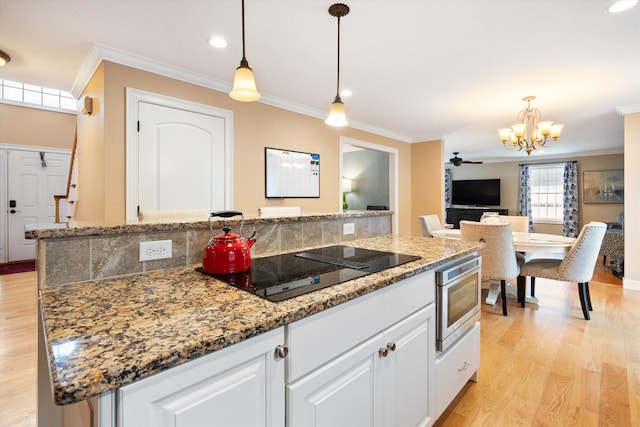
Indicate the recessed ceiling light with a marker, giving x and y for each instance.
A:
(346, 93)
(621, 6)
(218, 42)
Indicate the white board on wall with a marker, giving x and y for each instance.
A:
(291, 174)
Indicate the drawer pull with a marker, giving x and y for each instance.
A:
(464, 367)
(391, 346)
(282, 351)
(383, 352)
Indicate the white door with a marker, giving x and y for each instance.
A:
(33, 178)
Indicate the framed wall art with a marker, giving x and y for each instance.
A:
(603, 186)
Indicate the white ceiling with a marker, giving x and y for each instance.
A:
(419, 70)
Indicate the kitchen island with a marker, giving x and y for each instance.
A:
(104, 334)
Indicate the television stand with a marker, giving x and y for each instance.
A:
(471, 213)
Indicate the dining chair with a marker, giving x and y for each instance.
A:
(429, 223)
(576, 266)
(518, 223)
(499, 259)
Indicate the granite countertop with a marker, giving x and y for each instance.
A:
(104, 334)
(80, 229)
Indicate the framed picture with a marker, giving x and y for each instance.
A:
(603, 186)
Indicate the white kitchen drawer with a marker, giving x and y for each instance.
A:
(317, 339)
(455, 367)
(409, 296)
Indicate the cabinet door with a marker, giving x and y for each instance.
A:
(408, 385)
(242, 385)
(340, 393)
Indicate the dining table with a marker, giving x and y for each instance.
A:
(534, 245)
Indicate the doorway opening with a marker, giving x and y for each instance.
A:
(372, 172)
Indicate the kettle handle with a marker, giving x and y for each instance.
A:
(226, 214)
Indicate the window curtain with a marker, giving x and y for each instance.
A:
(570, 200)
(524, 195)
(447, 188)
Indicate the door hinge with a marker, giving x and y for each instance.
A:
(138, 125)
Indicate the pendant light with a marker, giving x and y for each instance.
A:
(336, 113)
(244, 84)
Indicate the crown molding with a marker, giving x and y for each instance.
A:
(99, 53)
(628, 109)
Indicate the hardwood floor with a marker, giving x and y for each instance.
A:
(541, 365)
(18, 391)
(546, 366)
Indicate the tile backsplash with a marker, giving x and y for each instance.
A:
(65, 260)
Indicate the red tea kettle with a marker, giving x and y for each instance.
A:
(227, 253)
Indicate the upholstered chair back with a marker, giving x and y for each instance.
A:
(518, 223)
(578, 264)
(498, 256)
(428, 223)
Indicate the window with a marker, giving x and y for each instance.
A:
(36, 96)
(547, 189)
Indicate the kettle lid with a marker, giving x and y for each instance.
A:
(227, 237)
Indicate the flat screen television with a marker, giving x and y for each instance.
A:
(475, 192)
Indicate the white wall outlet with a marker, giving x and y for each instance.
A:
(348, 228)
(158, 249)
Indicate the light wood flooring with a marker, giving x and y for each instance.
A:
(541, 366)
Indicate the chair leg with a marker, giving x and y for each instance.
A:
(522, 288)
(503, 291)
(533, 286)
(586, 288)
(582, 292)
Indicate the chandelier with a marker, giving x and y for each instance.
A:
(530, 133)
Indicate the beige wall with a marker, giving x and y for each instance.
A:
(509, 181)
(255, 125)
(90, 153)
(427, 182)
(631, 199)
(36, 127)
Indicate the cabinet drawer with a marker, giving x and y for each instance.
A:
(317, 339)
(456, 366)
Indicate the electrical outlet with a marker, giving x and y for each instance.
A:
(348, 228)
(158, 249)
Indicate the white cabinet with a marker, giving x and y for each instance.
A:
(456, 366)
(242, 385)
(408, 371)
(385, 380)
(367, 362)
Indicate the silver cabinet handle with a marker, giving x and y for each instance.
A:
(282, 351)
(391, 346)
(383, 352)
(464, 367)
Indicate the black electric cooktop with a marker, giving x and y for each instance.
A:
(281, 277)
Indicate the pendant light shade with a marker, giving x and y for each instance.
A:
(337, 116)
(244, 84)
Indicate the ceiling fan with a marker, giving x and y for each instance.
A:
(457, 161)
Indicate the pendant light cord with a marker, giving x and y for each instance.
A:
(338, 79)
(244, 58)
